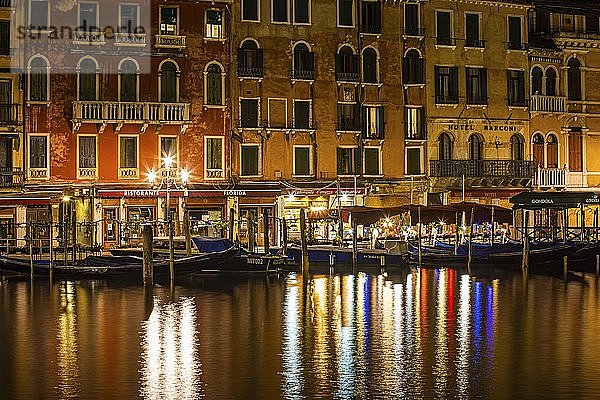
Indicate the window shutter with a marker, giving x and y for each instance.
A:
(340, 161)
(363, 126)
(483, 83)
(357, 162)
(420, 70)
(509, 93)
(437, 81)
(454, 83)
(406, 78)
(338, 63)
(259, 59)
(241, 58)
(380, 123)
(521, 76)
(356, 115)
(310, 61)
(377, 16)
(355, 63)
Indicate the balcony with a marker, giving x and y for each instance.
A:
(130, 39)
(475, 43)
(547, 104)
(88, 38)
(170, 42)
(11, 177)
(550, 178)
(250, 72)
(517, 46)
(347, 77)
(132, 112)
(303, 74)
(482, 168)
(9, 114)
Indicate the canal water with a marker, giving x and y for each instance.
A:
(413, 334)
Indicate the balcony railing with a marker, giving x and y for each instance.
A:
(5, 3)
(87, 37)
(547, 104)
(347, 77)
(348, 124)
(136, 112)
(87, 173)
(413, 31)
(11, 177)
(445, 41)
(169, 41)
(475, 43)
(214, 173)
(374, 29)
(303, 74)
(550, 178)
(9, 114)
(446, 99)
(38, 173)
(516, 46)
(482, 168)
(477, 101)
(251, 72)
(517, 102)
(130, 39)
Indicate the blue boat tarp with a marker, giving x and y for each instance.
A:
(211, 245)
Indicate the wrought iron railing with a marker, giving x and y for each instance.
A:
(11, 177)
(251, 72)
(9, 114)
(347, 77)
(475, 43)
(303, 74)
(482, 168)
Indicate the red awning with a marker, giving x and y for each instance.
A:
(24, 201)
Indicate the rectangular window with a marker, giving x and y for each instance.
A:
(38, 14)
(4, 38)
(592, 24)
(38, 151)
(414, 123)
(515, 40)
(472, 31)
(370, 17)
(301, 11)
(575, 151)
(345, 12)
(372, 161)
(413, 161)
(88, 17)
(168, 149)
(374, 122)
(8, 112)
(249, 113)
(129, 18)
(411, 19)
(87, 152)
(446, 85)
(128, 156)
(302, 114)
(443, 24)
(516, 88)
(302, 161)
(348, 160)
(280, 10)
(214, 157)
(250, 10)
(348, 117)
(168, 21)
(476, 85)
(250, 160)
(214, 24)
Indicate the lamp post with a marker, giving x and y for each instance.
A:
(166, 182)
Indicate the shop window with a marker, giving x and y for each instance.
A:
(38, 79)
(302, 114)
(372, 161)
(214, 24)
(348, 160)
(129, 15)
(476, 85)
(302, 161)
(250, 10)
(279, 10)
(214, 84)
(249, 113)
(411, 19)
(38, 15)
(168, 21)
(444, 28)
(413, 161)
(169, 82)
(250, 160)
(301, 11)
(446, 85)
(87, 152)
(516, 88)
(345, 12)
(213, 157)
(38, 152)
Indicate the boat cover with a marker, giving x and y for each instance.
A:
(206, 244)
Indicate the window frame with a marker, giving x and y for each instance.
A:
(120, 16)
(311, 172)
(96, 75)
(451, 38)
(294, 22)
(137, 142)
(29, 147)
(420, 122)
(257, 4)
(47, 27)
(364, 161)
(258, 112)
(137, 79)
(78, 166)
(287, 12)
(418, 27)
(29, 86)
(514, 102)
(421, 159)
(160, 79)
(177, 24)
(353, 152)
(310, 112)
(378, 80)
(222, 28)
(176, 164)
(205, 85)
(97, 3)
(479, 29)
(206, 158)
(259, 160)
(337, 14)
(522, 32)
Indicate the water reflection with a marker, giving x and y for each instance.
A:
(66, 344)
(170, 367)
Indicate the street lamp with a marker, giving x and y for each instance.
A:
(169, 179)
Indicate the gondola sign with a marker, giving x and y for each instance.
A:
(540, 200)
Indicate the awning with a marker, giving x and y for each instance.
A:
(561, 200)
(446, 213)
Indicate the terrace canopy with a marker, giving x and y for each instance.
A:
(447, 213)
(554, 200)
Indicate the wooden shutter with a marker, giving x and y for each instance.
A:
(575, 154)
(380, 123)
(454, 83)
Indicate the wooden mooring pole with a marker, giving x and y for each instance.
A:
(420, 253)
(148, 260)
(284, 235)
(305, 265)
(354, 247)
(456, 233)
(51, 247)
(250, 230)
(266, 230)
(470, 248)
(186, 232)
(231, 223)
(492, 231)
(525, 261)
(31, 253)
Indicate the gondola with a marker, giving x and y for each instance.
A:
(340, 256)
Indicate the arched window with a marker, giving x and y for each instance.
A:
(128, 75)
(550, 82)
(38, 79)
(250, 59)
(574, 79)
(346, 65)
(552, 151)
(169, 82)
(536, 80)
(445, 149)
(213, 81)
(517, 148)
(304, 62)
(370, 66)
(88, 80)
(475, 147)
(412, 68)
(538, 149)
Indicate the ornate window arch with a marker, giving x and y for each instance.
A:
(39, 78)
(445, 146)
(574, 79)
(87, 79)
(537, 78)
(129, 80)
(168, 78)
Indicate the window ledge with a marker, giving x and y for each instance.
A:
(347, 83)
(217, 106)
(346, 26)
(302, 23)
(374, 176)
(421, 175)
(280, 22)
(310, 81)
(256, 21)
(452, 105)
(303, 176)
(378, 84)
(250, 128)
(420, 37)
(445, 46)
(476, 105)
(481, 49)
(521, 108)
(516, 51)
(376, 35)
(250, 176)
(222, 40)
(419, 85)
(252, 78)
(40, 31)
(341, 131)
(412, 140)
(214, 179)
(38, 103)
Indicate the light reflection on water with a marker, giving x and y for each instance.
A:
(66, 338)
(170, 368)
